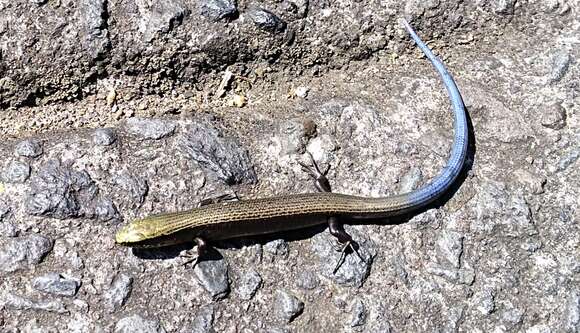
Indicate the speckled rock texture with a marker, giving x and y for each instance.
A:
(114, 110)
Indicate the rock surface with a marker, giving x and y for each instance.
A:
(112, 111)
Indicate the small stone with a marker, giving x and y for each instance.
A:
(118, 293)
(277, 247)
(485, 302)
(302, 91)
(450, 247)
(288, 306)
(15, 302)
(572, 320)
(248, 284)
(138, 324)
(213, 276)
(553, 116)
(56, 284)
(104, 136)
(237, 101)
(111, 97)
(29, 148)
(568, 159)
(307, 280)
(504, 7)
(411, 180)
(150, 129)
(133, 186)
(266, 20)
(359, 313)
(559, 64)
(16, 172)
(23, 251)
(203, 320)
(217, 10)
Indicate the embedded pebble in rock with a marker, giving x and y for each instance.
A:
(277, 247)
(503, 7)
(450, 247)
(16, 172)
(358, 313)
(133, 186)
(15, 302)
(203, 320)
(353, 271)
(105, 210)
(53, 283)
(150, 129)
(248, 284)
(138, 324)
(288, 306)
(118, 293)
(553, 116)
(17, 253)
(8, 229)
(104, 136)
(217, 10)
(221, 154)
(265, 19)
(294, 135)
(558, 65)
(29, 148)
(159, 18)
(534, 183)
(213, 276)
(308, 280)
(572, 311)
(410, 180)
(485, 302)
(568, 159)
(59, 191)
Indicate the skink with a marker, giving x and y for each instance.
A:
(268, 215)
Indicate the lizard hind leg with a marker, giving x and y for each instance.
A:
(319, 176)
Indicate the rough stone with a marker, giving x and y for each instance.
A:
(288, 306)
(203, 320)
(54, 283)
(266, 20)
(150, 129)
(217, 10)
(17, 253)
(29, 148)
(553, 116)
(15, 302)
(118, 293)
(136, 323)
(248, 284)
(104, 136)
(213, 276)
(16, 172)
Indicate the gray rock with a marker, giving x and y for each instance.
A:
(105, 210)
(95, 37)
(138, 324)
(353, 271)
(485, 302)
(411, 180)
(294, 135)
(133, 187)
(53, 283)
(203, 320)
(20, 252)
(16, 172)
(150, 129)
(558, 65)
(213, 276)
(572, 320)
(266, 20)
(16, 302)
(217, 10)
(277, 247)
(287, 306)
(118, 293)
(568, 159)
(220, 154)
(60, 192)
(29, 148)
(160, 17)
(503, 7)
(8, 229)
(248, 284)
(307, 280)
(104, 136)
(553, 116)
(450, 247)
(358, 313)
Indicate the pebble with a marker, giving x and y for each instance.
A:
(214, 278)
(288, 306)
(29, 148)
(54, 283)
(358, 313)
(118, 293)
(203, 320)
(277, 247)
(450, 247)
(553, 116)
(104, 136)
(21, 252)
(219, 153)
(217, 10)
(150, 129)
(248, 284)
(16, 172)
(16, 302)
(307, 280)
(138, 324)
(266, 20)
